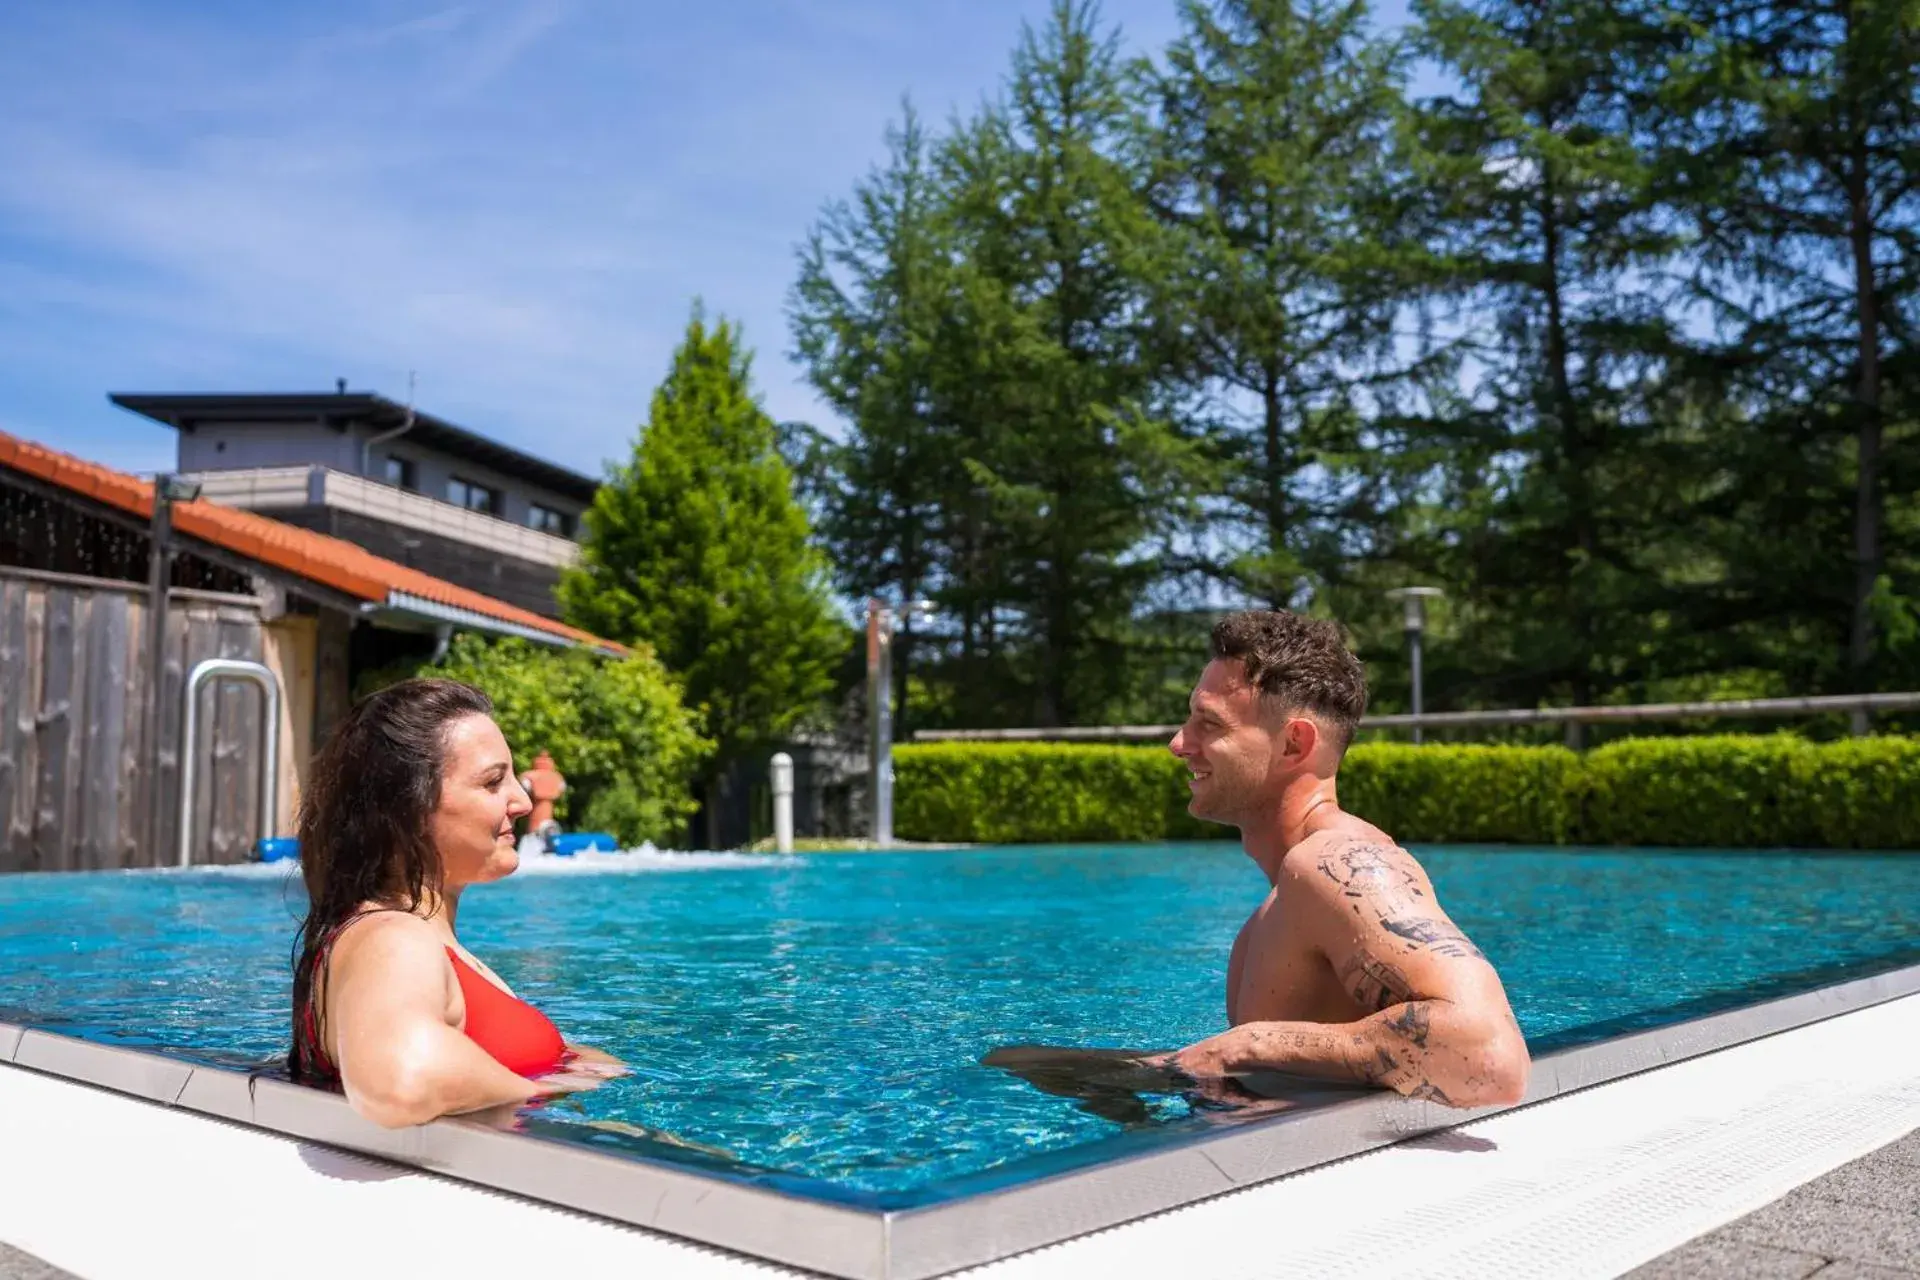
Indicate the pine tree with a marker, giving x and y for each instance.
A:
(697, 548)
(869, 313)
(1797, 132)
(1275, 149)
(1548, 220)
(1079, 463)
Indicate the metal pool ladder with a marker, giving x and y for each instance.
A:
(254, 673)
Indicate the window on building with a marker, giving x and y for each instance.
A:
(474, 497)
(547, 520)
(401, 474)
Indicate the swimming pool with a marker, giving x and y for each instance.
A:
(821, 1019)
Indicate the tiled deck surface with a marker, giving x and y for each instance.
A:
(15, 1265)
(1589, 1185)
(1860, 1222)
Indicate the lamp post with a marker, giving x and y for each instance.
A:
(881, 620)
(1414, 601)
(167, 490)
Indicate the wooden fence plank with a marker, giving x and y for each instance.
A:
(77, 732)
(102, 786)
(26, 718)
(136, 765)
(17, 701)
(54, 803)
(166, 767)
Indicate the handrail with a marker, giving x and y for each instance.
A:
(268, 682)
(1858, 703)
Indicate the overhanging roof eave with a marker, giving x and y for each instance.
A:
(185, 409)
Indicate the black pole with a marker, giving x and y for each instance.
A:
(1413, 652)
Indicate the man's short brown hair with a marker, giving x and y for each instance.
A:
(1303, 663)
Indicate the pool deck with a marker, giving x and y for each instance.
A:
(1792, 1155)
(1860, 1222)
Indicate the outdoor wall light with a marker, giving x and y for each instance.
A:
(172, 488)
(1414, 601)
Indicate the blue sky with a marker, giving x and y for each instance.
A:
(519, 200)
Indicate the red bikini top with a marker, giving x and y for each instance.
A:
(519, 1036)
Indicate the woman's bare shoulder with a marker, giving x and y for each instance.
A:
(387, 937)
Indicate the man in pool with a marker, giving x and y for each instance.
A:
(1349, 970)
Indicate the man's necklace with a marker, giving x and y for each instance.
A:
(1319, 799)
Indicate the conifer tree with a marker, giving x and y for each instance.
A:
(871, 317)
(1796, 133)
(1545, 215)
(1275, 149)
(697, 548)
(1085, 471)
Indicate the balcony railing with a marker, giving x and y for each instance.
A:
(265, 489)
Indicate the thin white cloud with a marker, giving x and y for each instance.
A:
(519, 201)
(498, 46)
(428, 25)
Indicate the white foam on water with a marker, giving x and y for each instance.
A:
(647, 859)
(285, 869)
(644, 859)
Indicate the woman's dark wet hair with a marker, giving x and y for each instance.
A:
(365, 825)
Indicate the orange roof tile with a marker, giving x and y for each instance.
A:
(331, 562)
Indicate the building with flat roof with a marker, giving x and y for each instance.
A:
(82, 756)
(401, 483)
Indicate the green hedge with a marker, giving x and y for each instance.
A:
(1463, 794)
(1724, 792)
(1020, 793)
(1746, 792)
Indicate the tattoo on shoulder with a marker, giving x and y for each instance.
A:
(1366, 869)
(1442, 939)
(1374, 984)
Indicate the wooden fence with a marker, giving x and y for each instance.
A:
(76, 766)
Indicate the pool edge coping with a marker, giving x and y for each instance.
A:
(916, 1243)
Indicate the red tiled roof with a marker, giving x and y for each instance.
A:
(331, 562)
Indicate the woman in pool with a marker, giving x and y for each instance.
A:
(412, 799)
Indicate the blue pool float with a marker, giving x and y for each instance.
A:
(277, 849)
(568, 843)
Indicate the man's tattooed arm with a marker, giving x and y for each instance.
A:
(1374, 984)
(1436, 936)
(1436, 1024)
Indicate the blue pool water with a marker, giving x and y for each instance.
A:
(821, 1018)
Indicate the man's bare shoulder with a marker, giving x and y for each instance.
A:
(1353, 862)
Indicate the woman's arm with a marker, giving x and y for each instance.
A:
(599, 1057)
(401, 1062)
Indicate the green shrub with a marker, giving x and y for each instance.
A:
(1860, 793)
(1725, 792)
(1463, 794)
(615, 727)
(1722, 792)
(1021, 792)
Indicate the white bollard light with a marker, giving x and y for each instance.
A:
(783, 802)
